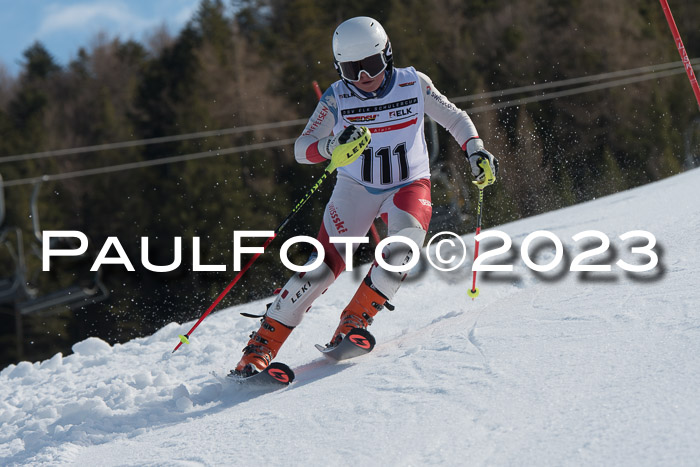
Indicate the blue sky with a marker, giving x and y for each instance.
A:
(63, 26)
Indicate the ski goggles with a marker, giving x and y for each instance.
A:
(372, 65)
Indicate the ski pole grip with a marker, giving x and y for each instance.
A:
(348, 153)
(489, 177)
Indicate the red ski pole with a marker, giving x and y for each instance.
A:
(489, 178)
(474, 292)
(681, 50)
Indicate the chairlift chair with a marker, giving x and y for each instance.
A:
(73, 296)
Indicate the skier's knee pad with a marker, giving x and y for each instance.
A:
(396, 254)
(299, 293)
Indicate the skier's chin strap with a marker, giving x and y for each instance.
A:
(379, 93)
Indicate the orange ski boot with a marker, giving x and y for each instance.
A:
(360, 312)
(262, 347)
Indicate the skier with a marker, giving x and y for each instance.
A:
(390, 180)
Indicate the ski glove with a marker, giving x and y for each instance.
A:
(328, 144)
(476, 153)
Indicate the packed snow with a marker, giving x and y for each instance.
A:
(554, 368)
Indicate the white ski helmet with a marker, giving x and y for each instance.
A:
(361, 44)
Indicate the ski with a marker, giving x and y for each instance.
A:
(275, 375)
(357, 342)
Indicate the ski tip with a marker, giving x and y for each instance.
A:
(355, 343)
(280, 372)
(362, 338)
(276, 374)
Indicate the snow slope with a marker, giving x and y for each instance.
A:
(559, 368)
